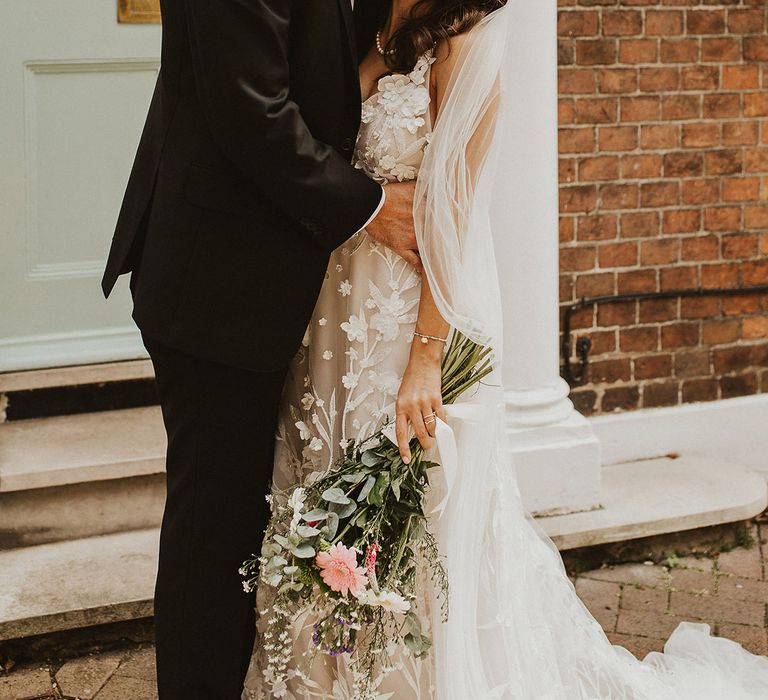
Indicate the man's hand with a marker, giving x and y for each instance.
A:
(393, 225)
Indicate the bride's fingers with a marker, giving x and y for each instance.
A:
(417, 420)
(401, 432)
(429, 415)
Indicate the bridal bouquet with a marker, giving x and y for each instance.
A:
(344, 548)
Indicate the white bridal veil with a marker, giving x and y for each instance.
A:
(516, 628)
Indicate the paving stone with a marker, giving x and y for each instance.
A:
(601, 594)
(83, 678)
(692, 580)
(742, 589)
(741, 562)
(139, 664)
(751, 638)
(708, 607)
(647, 624)
(638, 574)
(695, 563)
(639, 646)
(637, 598)
(23, 683)
(127, 688)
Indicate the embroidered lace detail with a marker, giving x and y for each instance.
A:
(395, 125)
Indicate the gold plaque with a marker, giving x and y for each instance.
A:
(138, 11)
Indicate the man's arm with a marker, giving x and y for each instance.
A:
(240, 63)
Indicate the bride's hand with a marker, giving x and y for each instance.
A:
(419, 397)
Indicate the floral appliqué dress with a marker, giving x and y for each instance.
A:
(343, 383)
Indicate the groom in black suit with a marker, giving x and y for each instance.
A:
(241, 188)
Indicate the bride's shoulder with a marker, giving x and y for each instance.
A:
(450, 54)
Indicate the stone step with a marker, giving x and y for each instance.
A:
(658, 496)
(68, 477)
(66, 585)
(76, 375)
(78, 583)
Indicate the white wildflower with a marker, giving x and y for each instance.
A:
(388, 600)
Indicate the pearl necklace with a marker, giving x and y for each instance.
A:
(379, 47)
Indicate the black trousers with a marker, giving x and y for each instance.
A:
(221, 423)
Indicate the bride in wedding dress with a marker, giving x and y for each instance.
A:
(516, 628)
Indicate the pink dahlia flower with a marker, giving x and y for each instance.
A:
(339, 569)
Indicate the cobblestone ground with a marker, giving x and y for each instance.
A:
(638, 605)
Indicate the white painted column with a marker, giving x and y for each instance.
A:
(554, 450)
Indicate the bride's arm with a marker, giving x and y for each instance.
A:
(419, 393)
(420, 390)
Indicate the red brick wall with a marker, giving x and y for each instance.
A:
(664, 186)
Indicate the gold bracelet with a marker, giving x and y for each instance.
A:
(426, 338)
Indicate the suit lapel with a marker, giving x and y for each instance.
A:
(345, 6)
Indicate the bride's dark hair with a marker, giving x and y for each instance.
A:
(431, 21)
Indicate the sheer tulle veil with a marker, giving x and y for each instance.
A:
(516, 628)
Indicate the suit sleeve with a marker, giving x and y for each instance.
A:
(240, 63)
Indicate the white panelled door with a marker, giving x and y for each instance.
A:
(74, 91)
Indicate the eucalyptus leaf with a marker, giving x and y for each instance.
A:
(418, 644)
(355, 478)
(413, 623)
(304, 551)
(335, 495)
(347, 510)
(370, 458)
(413, 643)
(269, 549)
(332, 525)
(367, 486)
(274, 579)
(282, 541)
(290, 570)
(313, 515)
(307, 531)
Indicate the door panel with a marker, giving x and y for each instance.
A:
(76, 87)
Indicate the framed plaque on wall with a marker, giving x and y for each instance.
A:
(138, 11)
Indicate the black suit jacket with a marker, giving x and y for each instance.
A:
(242, 183)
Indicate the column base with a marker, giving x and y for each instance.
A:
(558, 464)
